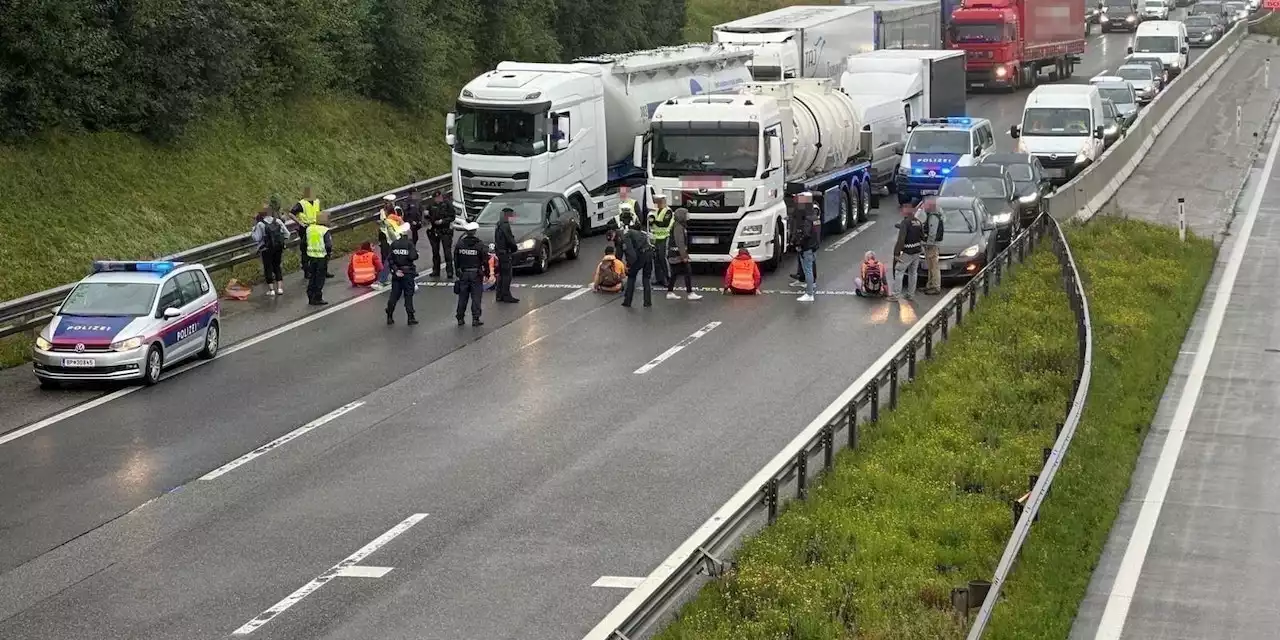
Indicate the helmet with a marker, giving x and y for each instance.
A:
(470, 227)
(390, 197)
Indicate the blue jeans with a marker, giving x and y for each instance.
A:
(909, 266)
(807, 259)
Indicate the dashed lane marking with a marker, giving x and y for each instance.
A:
(274, 444)
(618, 582)
(679, 346)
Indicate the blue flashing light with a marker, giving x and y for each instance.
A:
(946, 122)
(946, 170)
(159, 267)
(917, 171)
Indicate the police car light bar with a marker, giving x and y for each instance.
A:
(156, 267)
(961, 121)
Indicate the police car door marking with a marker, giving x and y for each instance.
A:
(679, 346)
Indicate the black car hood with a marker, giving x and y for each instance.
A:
(486, 232)
(997, 205)
(1026, 189)
(954, 242)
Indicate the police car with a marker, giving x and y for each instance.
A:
(129, 321)
(936, 145)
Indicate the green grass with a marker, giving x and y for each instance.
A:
(880, 543)
(1269, 26)
(1144, 287)
(702, 15)
(891, 530)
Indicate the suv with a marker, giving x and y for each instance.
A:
(129, 321)
(935, 146)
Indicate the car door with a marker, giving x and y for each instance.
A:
(553, 227)
(566, 221)
(170, 298)
(189, 331)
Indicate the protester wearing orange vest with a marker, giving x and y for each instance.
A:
(743, 275)
(364, 267)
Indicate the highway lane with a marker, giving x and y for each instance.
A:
(479, 468)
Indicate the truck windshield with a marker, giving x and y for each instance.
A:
(713, 151)
(976, 32)
(1050, 121)
(501, 132)
(956, 142)
(1155, 44)
(1117, 95)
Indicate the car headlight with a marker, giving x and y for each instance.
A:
(1208, 37)
(1082, 157)
(1129, 19)
(970, 252)
(753, 230)
(1001, 72)
(528, 244)
(1103, 18)
(1002, 218)
(42, 344)
(1028, 199)
(126, 345)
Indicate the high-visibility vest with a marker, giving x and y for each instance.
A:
(315, 241)
(362, 267)
(310, 211)
(663, 220)
(391, 226)
(744, 276)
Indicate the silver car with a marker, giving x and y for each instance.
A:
(1143, 79)
(129, 321)
(1121, 93)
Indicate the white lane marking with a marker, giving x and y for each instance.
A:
(577, 293)
(849, 236)
(618, 582)
(1126, 582)
(679, 346)
(364, 572)
(73, 411)
(311, 587)
(270, 446)
(821, 292)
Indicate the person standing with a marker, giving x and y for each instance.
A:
(404, 273)
(660, 223)
(810, 240)
(640, 252)
(319, 247)
(505, 246)
(272, 235)
(440, 219)
(389, 222)
(803, 206)
(471, 258)
(678, 257)
(907, 251)
(304, 213)
(932, 238)
(413, 213)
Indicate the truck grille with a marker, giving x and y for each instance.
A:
(721, 230)
(478, 190)
(1063, 161)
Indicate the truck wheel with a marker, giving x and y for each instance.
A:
(841, 223)
(868, 194)
(850, 211)
(779, 248)
(584, 222)
(1068, 68)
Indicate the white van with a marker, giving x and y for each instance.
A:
(1063, 125)
(1164, 39)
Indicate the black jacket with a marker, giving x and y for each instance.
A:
(470, 254)
(810, 232)
(440, 216)
(910, 236)
(403, 256)
(636, 246)
(413, 211)
(504, 240)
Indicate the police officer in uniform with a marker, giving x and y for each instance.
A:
(660, 223)
(505, 246)
(471, 258)
(403, 273)
(440, 218)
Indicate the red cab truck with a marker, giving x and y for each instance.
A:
(1008, 42)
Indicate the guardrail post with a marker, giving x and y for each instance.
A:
(769, 495)
(928, 342)
(960, 305)
(802, 474)
(973, 294)
(875, 399)
(1044, 455)
(828, 447)
(911, 360)
(945, 317)
(855, 430)
(1182, 219)
(893, 383)
(1266, 74)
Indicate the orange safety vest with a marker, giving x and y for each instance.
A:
(744, 277)
(362, 267)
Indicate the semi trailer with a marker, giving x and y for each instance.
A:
(1009, 42)
(801, 41)
(906, 24)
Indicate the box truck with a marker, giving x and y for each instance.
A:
(801, 41)
(906, 24)
(1008, 42)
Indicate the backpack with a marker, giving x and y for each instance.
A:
(932, 233)
(273, 234)
(608, 275)
(873, 281)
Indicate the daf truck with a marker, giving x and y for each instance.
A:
(801, 41)
(735, 162)
(1009, 42)
(573, 128)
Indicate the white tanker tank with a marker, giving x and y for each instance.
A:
(822, 132)
(636, 83)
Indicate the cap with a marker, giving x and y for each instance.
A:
(470, 226)
(659, 196)
(405, 228)
(390, 197)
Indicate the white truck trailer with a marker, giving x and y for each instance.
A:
(801, 41)
(735, 162)
(905, 24)
(573, 128)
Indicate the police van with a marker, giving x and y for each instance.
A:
(129, 321)
(935, 146)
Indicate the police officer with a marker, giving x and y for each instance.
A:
(471, 258)
(413, 213)
(440, 218)
(318, 244)
(660, 223)
(304, 213)
(505, 246)
(403, 273)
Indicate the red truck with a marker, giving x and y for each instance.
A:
(1008, 42)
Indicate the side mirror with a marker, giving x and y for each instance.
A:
(987, 226)
(1100, 132)
(775, 152)
(555, 144)
(1015, 131)
(1129, 50)
(450, 126)
(171, 313)
(977, 150)
(1183, 50)
(637, 152)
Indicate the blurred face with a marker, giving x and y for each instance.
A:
(624, 193)
(306, 193)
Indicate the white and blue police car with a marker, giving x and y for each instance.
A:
(935, 146)
(129, 321)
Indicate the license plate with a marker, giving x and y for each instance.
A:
(704, 240)
(928, 192)
(944, 265)
(1055, 173)
(978, 85)
(79, 362)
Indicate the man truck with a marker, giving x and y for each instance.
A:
(801, 41)
(1008, 42)
(573, 128)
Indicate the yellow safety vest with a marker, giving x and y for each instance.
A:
(315, 241)
(310, 211)
(662, 222)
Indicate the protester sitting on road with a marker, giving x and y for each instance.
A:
(610, 273)
(874, 278)
(743, 275)
(364, 266)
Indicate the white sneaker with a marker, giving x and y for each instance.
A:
(694, 296)
(280, 291)
(673, 296)
(805, 298)
(271, 292)
(797, 283)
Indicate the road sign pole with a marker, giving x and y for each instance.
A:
(1182, 219)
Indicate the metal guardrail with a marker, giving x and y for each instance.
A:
(791, 472)
(32, 311)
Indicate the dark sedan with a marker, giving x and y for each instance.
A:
(968, 237)
(545, 227)
(1030, 184)
(1202, 30)
(1115, 125)
(992, 184)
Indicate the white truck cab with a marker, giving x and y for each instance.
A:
(1064, 126)
(1164, 39)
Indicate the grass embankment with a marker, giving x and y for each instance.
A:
(876, 549)
(1144, 287)
(1268, 26)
